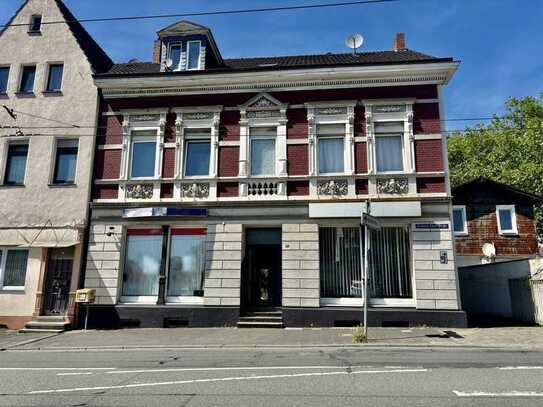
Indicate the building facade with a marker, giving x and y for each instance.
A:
(224, 186)
(494, 216)
(50, 102)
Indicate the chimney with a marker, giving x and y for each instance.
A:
(157, 48)
(399, 42)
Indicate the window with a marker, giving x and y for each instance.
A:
(507, 219)
(4, 77)
(331, 148)
(143, 154)
(65, 162)
(13, 264)
(145, 256)
(16, 164)
(54, 80)
(142, 263)
(193, 55)
(340, 263)
(27, 79)
(187, 263)
(35, 24)
(389, 146)
(175, 56)
(198, 151)
(460, 225)
(262, 150)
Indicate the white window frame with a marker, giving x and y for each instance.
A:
(55, 159)
(180, 45)
(329, 137)
(134, 138)
(4, 251)
(464, 231)
(47, 77)
(380, 135)
(250, 146)
(511, 209)
(188, 55)
(196, 139)
(20, 81)
(6, 156)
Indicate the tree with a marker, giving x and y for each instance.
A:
(509, 150)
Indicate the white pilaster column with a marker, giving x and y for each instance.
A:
(243, 144)
(349, 142)
(410, 145)
(370, 142)
(214, 154)
(281, 147)
(179, 146)
(312, 131)
(125, 156)
(160, 146)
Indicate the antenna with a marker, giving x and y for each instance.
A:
(354, 41)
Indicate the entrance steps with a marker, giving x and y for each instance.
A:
(44, 323)
(261, 318)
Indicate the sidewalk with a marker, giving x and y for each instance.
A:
(529, 338)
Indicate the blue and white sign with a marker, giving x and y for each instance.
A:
(160, 212)
(439, 226)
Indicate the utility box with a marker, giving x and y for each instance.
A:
(85, 295)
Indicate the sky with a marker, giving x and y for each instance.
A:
(499, 42)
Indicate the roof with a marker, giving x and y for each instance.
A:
(480, 183)
(96, 56)
(406, 56)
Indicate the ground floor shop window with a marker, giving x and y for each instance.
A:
(340, 263)
(13, 263)
(178, 253)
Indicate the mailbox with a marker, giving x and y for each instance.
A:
(85, 296)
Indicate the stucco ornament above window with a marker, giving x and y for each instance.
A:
(333, 188)
(393, 186)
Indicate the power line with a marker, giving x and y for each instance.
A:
(212, 13)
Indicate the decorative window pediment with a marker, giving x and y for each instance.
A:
(263, 101)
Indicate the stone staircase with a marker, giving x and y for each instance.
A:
(262, 318)
(53, 324)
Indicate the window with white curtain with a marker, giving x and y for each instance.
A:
(13, 263)
(331, 148)
(389, 146)
(262, 150)
(193, 55)
(174, 55)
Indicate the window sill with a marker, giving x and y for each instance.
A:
(461, 234)
(3, 95)
(25, 94)
(509, 234)
(52, 93)
(34, 33)
(70, 185)
(12, 186)
(12, 290)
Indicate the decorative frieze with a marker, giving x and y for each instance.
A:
(195, 190)
(389, 108)
(198, 116)
(263, 114)
(392, 185)
(263, 102)
(333, 187)
(145, 118)
(331, 110)
(138, 191)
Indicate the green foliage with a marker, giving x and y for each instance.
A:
(358, 335)
(509, 150)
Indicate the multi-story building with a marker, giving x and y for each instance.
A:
(49, 101)
(222, 186)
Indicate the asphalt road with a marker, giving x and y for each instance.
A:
(272, 377)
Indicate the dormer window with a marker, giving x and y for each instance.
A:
(193, 55)
(35, 24)
(175, 56)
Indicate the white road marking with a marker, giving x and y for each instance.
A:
(74, 374)
(498, 394)
(207, 369)
(521, 368)
(39, 369)
(223, 379)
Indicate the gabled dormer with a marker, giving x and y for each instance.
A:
(186, 46)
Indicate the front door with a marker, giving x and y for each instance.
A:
(261, 280)
(58, 279)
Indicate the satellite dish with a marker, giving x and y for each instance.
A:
(169, 63)
(354, 41)
(489, 250)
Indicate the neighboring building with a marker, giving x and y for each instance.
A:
(495, 214)
(47, 88)
(227, 185)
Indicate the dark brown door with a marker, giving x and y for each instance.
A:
(58, 278)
